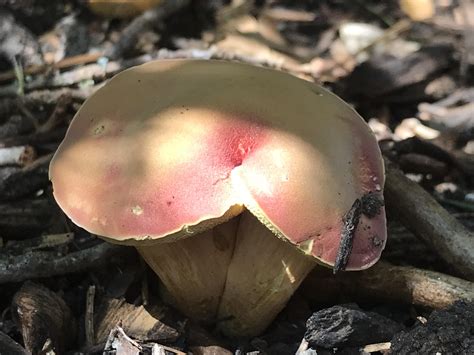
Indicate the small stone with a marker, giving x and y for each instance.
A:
(348, 326)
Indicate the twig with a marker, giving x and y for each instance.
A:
(97, 71)
(429, 221)
(62, 64)
(38, 264)
(89, 317)
(387, 283)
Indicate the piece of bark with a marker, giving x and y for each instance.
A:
(136, 321)
(39, 264)
(10, 347)
(387, 283)
(119, 343)
(348, 326)
(41, 315)
(428, 220)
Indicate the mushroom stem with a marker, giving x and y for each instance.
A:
(264, 273)
(238, 274)
(194, 269)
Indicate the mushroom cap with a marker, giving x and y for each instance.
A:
(171, 148)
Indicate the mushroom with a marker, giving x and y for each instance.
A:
(231, 180)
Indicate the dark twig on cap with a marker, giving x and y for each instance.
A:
(350, 222)
(369, 205)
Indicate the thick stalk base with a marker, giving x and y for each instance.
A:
(262, 276)
(238, 274)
